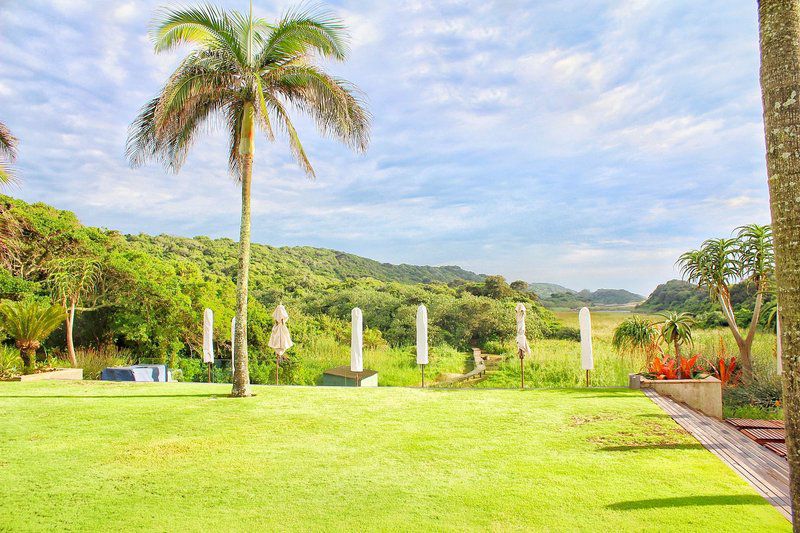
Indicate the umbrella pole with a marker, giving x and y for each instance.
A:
(423, 375)
(522, 369)
(587, 378)
(358, 378)
(277, 367)
(209, 372)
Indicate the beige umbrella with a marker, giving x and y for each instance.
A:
(422, 339)
(587, 357)
(208, 339)
(522, 340)
(279, 339)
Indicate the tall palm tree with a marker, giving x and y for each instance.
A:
(28, 323)
(779, 29)
(247, 73)
(8, 154)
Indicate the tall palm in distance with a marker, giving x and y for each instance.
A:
(8, 154)
(247, 73)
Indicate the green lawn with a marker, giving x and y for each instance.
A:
(103, 456)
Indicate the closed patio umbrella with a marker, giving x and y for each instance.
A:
(208, 339)
(357, 342)
(422, 339)
(587, 357)
(523, 348)
(279, 339)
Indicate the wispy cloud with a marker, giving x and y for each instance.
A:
(506, 140)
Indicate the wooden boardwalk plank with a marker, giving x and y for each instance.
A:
(762, 436)
(764, 470)
(745, 423)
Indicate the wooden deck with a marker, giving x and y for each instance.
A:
(764, 470)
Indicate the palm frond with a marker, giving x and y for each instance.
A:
(8, 154)
(205, 26)
(303, 30)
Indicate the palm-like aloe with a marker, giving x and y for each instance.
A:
(720, 262)
(28, 323)
(8, 154)
(676, 329)
(247, 73)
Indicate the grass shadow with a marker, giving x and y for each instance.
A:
(637, 447)
(689, 501)
(96, 396)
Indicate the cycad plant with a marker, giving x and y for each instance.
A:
(8, 153)
(29, 322)
(247, 73)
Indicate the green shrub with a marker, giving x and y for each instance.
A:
(10, 362)
(94, 360)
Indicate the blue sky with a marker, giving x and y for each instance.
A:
(586, 143)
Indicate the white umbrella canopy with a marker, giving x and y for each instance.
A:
(587, 357)
(357, 341)
(422, 335)
(208, 336)
(522, 339)
(279, 339)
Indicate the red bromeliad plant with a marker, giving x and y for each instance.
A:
(726, 371)
(665, 369)
(687, 367)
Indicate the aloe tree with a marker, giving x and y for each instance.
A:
(719, 263)
(28, 323)
(247, 73)
(72, 279)
(779, 30)
(8, 154)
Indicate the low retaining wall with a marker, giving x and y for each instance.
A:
(704, 395)
(63, 373)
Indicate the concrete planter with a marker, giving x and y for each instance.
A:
(704, 395)
(60, 374)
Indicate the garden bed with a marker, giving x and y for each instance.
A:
(704, 395)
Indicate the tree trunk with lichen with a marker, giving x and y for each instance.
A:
(779, 28)
(241, 374)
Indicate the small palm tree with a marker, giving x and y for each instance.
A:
(8, 154)
(246, 73)
(676, 329)
(28, 323)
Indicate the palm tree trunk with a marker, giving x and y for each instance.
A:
(28, 356)
(779, 28)
(241, 375)
(70, 322)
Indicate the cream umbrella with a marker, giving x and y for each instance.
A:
(279, 339)
(357, 342)
(523, 348)
(422, 339)
(587, 357)
(208, 339)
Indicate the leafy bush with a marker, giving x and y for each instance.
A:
(759, 394)
(94, 360)
(10, 362)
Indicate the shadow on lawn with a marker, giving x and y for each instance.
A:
(114, 396)
(689, 501)
(636, 447)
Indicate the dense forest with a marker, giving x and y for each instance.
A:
(147, 293)
(575, 299)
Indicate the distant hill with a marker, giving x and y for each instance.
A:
(563, 297)
(545, 290)
(293, 262)
(677, 295)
